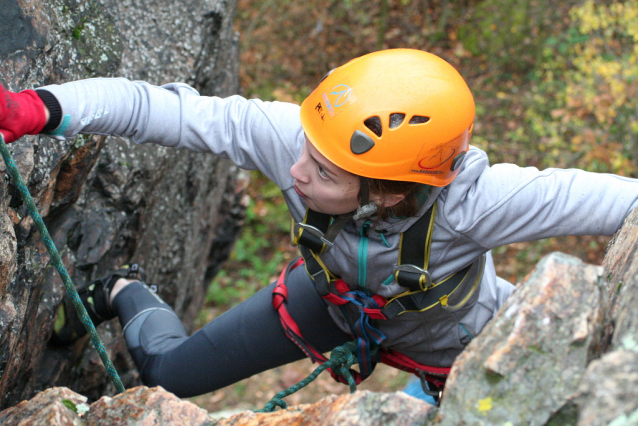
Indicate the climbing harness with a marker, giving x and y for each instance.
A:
(292, 331)
(57, 261)
(315, 236)
(411, 271)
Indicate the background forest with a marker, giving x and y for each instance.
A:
(555, 85)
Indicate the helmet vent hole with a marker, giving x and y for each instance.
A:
(396, 119)
(374, 124)
(419, 119)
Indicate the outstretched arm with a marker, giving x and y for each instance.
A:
(253, 134)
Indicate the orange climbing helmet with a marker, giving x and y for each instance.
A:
(398, 114)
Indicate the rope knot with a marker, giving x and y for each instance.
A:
(341, 359)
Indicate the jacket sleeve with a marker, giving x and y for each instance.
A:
(505, 203)
(253, 134)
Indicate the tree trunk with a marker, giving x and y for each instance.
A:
(108, 202)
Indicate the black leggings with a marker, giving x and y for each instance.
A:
(242, 342)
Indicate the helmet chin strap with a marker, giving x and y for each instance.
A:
(366, 207)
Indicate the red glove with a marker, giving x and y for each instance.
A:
(21, 114)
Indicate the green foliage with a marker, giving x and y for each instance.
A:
(582, 109)
(256, 259)
(77, 31)
(80, 409)
(510, 34)
(70, 405)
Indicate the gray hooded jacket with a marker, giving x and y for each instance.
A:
(483, 208)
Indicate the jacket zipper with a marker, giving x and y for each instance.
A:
(363, 256)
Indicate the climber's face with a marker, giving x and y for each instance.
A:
(323, 186)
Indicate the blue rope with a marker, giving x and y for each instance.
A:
(341, 359)
(57, 261)
(367, 336)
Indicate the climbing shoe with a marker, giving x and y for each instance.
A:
(95, 297)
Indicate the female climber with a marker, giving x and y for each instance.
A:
(395, 216)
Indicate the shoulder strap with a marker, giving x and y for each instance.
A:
(412, 273)
(414, 254)
(314, 236)
(414, 249)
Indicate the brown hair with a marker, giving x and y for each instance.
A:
(406, 207)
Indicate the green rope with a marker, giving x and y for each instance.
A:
(341, 359)
(57, 261)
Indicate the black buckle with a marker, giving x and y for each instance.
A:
(422, 273)
(311, 229)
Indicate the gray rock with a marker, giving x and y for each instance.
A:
(532, 356)
(621, 270)
(360, 408)
(141, 406)
(54, 406)
(609, 391)
(108, 202)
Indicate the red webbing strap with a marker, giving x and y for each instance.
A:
(342, 287)
(280, 298)
(436, 375)
(291, 329)
(335, 299)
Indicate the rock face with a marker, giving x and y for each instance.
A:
(50, 407)
(142, 405)
(136, 406)
(107, 202)
(360, 408)
(532, 356)
(563, 350)
(146, 406)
